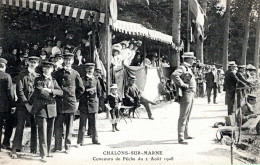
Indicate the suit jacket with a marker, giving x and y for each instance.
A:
(231, 81)
(89, 100)
(7, 98)
(178, 76)
(242, 78)
(131, 91)
(44, 103)
(72, 86)
(25, 86)
(209, 79)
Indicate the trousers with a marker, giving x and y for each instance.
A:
(209, 90)
(92, 117)
(186, 104)
(22, 115)
(8, 127)
(66, 119)
(45, 131)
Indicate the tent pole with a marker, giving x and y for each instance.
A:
(159, 56)
(145, 52)
(108, 47)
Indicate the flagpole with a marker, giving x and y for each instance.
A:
(188, 28)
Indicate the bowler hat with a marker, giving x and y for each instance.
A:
(188, 55)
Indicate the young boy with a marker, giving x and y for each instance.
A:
(113, 104)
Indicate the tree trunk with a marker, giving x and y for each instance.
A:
(257, 43)
(246, 36)
(199, 43)
(176, 33)
(226, 36)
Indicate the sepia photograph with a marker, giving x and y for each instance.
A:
(129, 82)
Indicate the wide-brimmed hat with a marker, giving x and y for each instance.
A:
(188, 55)
(250, 67)
(114, 86)
(232, 63)
(126, 43)
(117, 47)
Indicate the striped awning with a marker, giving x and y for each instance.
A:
(136, 29)
(56, 10)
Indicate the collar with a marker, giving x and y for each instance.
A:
(250, 107)
(31, 70)
(47, 77)
(68, 69)
(115, 96)
(90, 76)
(186, 64)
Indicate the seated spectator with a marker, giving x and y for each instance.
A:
(247, 112)
(164, 63)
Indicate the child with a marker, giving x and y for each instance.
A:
(113, 104)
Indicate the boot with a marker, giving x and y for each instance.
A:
(113, 128)
(116, 127)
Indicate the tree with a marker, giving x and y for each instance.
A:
(257, 42)
(226, 36)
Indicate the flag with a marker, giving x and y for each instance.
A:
(199, 15)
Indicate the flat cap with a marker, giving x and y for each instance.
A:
(114, 86)
(33, 58)
(232, 63)
(89, 64)
(48, 63)
(68, 55)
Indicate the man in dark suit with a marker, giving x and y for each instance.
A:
(71, 83)
(241, 93)
(44, 107)
(24, 90)
(211, 83)
(7, 104)
(133, 97)
(88, 105)
(230, 85)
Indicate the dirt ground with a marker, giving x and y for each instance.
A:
(136, 140)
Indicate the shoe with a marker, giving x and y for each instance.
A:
(50, 156)
(151, 118)
(56, 150)
(34, 152)
(113, 128)
(183, 142)
(43, 159)
(67, 151)
(78, 145)
(189, 137)
(116, 127)
(215, 103)
(208, 102)
(97, 143)
(7, 147)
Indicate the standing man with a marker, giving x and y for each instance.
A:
(230, 85)
(88, 105)
(211, 83)
(7, 105)
(44, 107)
(24, 90)
(241, 93)
(185, 79)
(71, 83)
